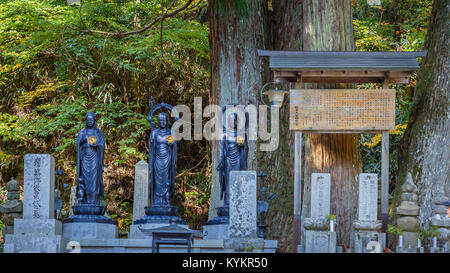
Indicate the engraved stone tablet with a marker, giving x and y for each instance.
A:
(242, 204)
(39, 186)
(320, 194)
(368, 194)
(141, 190)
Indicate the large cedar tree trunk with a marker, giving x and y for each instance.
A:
(327, 26)
(426, 148)
(286, 32)
(237, 30)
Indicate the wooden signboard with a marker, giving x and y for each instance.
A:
(342, 110)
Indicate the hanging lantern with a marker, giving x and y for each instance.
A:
(275, 95)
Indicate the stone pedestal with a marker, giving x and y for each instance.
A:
(409, 250)
(86, 230)
(38, 231)
(320, 241)
(217, 228)
(317, 237)
(367, 238)
(215, 232)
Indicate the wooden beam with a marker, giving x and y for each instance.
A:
(384, 179)
(297, 190)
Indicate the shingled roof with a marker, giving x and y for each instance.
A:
(343, 66)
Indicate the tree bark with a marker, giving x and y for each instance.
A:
(327, 26)
(237, 30)
(425, 151)
(286, 32)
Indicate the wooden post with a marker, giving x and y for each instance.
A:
(297, 190)
(384, 179)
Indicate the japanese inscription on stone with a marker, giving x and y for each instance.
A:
(39, 186)
(368, 196)
(320, 194)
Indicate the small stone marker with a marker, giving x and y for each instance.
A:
(39, 185)
(368, 197)
(243, 216)
(141, 190)
(320, 194)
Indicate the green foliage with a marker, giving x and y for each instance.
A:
(330, 217)
(51, 76)
(394, 26)
(394, 230)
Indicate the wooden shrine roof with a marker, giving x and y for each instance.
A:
(343, 66)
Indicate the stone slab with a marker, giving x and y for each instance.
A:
(320, 194)
(76, 230)
(244, 244)
(136, 233)
(215, 232)
(144, 246)
(368, 197)
(409, 250)
(39, 186)
(243, 215)
(443, 222)
(141, 190)
(37, 227)
(320, 241)
(34, 244)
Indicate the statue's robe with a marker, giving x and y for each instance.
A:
(162, 164)
(90, 163)
(234, 158)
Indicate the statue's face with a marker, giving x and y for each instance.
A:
(90, 121)
(162, 121)
(231, 121)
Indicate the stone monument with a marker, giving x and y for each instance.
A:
(38, 230)
(232, 157)
(407, 216)
(12, 208)
(88, 220)
(243, 215)
(367, 237)
(318, 238)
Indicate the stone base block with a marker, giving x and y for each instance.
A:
(320, 241)
(244, 244)
(136, 233)
(409, 250)
(410, 239)
(440, 222)
(37, 227)
(34, 244)
(215, 232)
(76, 230)
(368, 242)
(145, 246)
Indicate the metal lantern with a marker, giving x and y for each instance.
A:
(276, 96)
